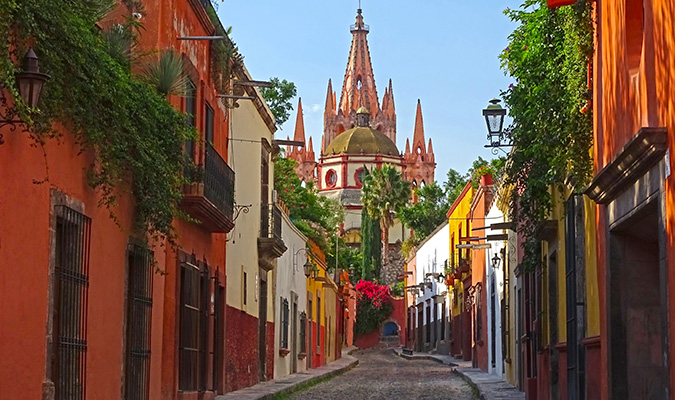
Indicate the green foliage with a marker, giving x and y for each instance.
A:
(371, 247)
(348, 259)
(453, 185)
(317, 217)
(167, 74)
(548, 57)
(225, 56)
(134, 134)
(279, 98)
(398, 289)
(429, 211)
(384, 192)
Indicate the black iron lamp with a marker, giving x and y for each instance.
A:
(495, 261)
(307, 267)
(494, 118)
(29, 83)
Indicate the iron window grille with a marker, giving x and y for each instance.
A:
(194, 324)
(191, 112)
(303, 332)
(318, 324)
(284, 323)
(73, 239)
(139, 316)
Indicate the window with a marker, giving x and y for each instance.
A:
(318, 322)
(428, 321)
(72, 241)
(331, 178)
(303, 332)
(218, 331)
(284, 323)
(194, 322)
(139, 316)
(208, 124)
(360, 173)
(244, 286)
(191, 112)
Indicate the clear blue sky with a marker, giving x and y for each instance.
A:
(444, 52)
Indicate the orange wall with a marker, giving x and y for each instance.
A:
(633, 88)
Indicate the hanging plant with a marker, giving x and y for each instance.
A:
(548, 57)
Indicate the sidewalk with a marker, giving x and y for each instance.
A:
(490, 387)
(270, 389)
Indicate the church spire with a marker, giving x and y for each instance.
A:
(358, 89)
(299, 124)
(330, 99)
(418, 136)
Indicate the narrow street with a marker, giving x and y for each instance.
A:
(381, 374)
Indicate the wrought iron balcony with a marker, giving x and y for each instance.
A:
(211, 199)
(270, 244)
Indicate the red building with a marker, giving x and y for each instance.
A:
(634, 99)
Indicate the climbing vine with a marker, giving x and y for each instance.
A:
(548, 57)
(133, 133)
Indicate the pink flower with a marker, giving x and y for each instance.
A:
(525, 48)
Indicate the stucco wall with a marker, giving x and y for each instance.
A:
(495, 276)
(290, 282)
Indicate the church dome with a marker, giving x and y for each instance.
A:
(362, 140)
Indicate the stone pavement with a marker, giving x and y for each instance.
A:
(288, 384)
(489, 387)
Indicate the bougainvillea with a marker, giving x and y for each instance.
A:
(373, 306)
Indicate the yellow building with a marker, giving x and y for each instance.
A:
(460, 260)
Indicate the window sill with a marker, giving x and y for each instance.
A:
(301, 356)
(284, 351)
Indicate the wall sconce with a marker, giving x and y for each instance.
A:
(29, 83)
(307, 267)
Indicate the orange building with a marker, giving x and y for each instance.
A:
(634, 99)
(91, 312)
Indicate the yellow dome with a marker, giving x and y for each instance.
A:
(362, 140)
(362, 110)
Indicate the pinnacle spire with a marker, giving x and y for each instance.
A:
(299, 124)
(358, 88)
(407, 146)
(330, 99)
(430, 151)
(418, 136)
(310, 148)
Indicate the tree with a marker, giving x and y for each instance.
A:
(385, 192)
(454, 185)
(429, 211)
(278, 98)
(371, 247)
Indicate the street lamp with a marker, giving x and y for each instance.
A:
(495, 261)
(308, 265)
(29, 83)
(494, 118)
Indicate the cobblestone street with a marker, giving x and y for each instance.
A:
(381, 374)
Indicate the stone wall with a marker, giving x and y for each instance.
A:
(395, 265)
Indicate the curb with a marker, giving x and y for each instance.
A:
(311, 381)
(423, 357)
(281, 388)
(468, 380)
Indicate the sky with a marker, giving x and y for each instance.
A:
(443, 52)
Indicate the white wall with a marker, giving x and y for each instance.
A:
(495, 277)
(290, 279)
(431, 257)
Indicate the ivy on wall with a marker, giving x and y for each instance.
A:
(134, 134)
(547, 56)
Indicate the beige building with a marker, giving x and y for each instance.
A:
(254, 245)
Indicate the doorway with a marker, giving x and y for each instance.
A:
(637, 299)
(294, 334)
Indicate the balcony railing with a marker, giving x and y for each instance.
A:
(270, 221)
(270, 244)
(211, 199)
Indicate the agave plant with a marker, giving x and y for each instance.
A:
(168, 74)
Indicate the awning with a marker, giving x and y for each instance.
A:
(559, 3)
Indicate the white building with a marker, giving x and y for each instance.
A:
(432, 322)
(290, 303)
(495, 290)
